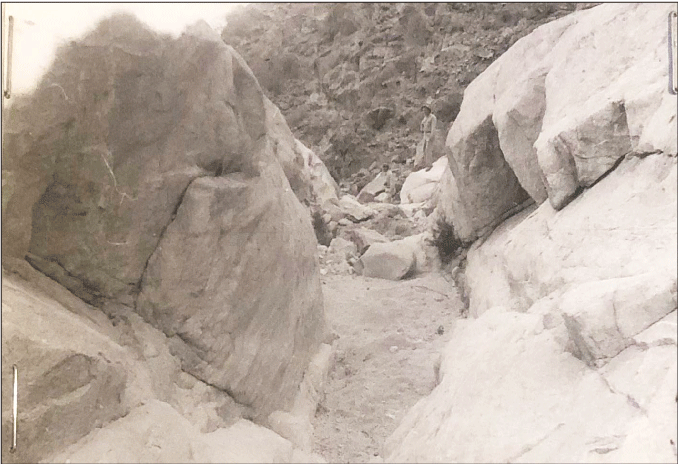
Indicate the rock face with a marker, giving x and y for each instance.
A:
(155, 432)
(372, 189)
(155, 172)
(309, 178)
(420, 186)
(575, 305)
(519, 398)
(114, 393)
(618, 235)
(582, 300)
(390, 260)
(62, 378)
(517, 135)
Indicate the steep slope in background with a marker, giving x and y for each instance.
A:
(351, 78)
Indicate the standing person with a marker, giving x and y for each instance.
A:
(390, 181)
(427, 128)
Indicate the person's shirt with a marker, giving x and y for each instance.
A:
(428, 124)
(390, 181)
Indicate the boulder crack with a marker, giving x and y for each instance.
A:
(630, 400)
(161, 235)
(527, 448)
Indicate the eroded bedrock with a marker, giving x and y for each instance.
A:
(569, 354)
(556, 112)
(570, 351)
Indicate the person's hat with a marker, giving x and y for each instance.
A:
(428, 104)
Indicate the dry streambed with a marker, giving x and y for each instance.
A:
(390, 336)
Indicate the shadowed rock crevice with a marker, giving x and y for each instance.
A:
(488, 189)
(53, 269)
(160, 237)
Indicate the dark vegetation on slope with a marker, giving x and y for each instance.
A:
(446, 241)
(350, 78)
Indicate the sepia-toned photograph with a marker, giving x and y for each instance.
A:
(339, 232)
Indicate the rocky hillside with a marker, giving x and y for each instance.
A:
(351, 78)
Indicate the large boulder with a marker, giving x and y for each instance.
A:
(518, 118)
(390, 260)
(151, 170)
(364, 238)
(551, 116)
(227, 313)
(486, 186)
(421, 185)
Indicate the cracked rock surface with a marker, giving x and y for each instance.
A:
(571, 355)
(552, 116)
(156, 183)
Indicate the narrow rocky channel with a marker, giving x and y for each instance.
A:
(390, 335)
